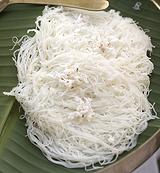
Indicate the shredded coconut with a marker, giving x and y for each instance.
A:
(83, 84)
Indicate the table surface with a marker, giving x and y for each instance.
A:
(152, 165)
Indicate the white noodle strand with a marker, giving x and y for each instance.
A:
(83, 84)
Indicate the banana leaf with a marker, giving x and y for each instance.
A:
(17, 154)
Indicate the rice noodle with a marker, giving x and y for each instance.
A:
(83, 84)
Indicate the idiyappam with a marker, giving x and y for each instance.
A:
(83, 84)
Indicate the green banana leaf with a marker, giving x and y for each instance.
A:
(17, 154)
